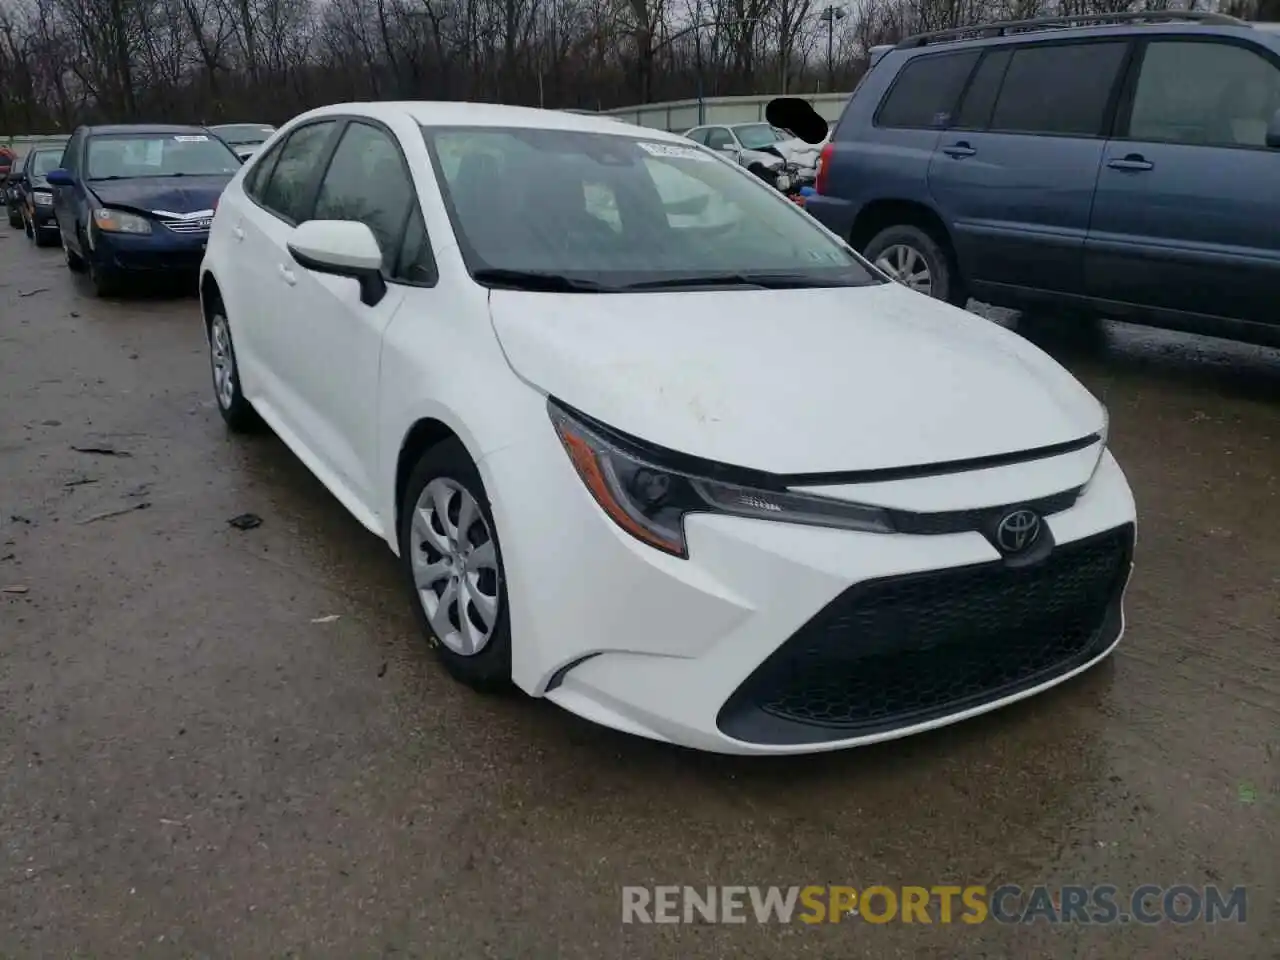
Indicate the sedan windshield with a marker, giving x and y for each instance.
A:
(578, 211)
(127, 156)
(44, 161)
(753, 136)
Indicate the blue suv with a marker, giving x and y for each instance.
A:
(1124, 165)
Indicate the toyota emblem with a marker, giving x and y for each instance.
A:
(1017, 531)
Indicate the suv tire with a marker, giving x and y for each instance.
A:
(915, 259)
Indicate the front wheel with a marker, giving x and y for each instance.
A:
(15, 218)
(914, 259)
(453, 564)
(105, 282)
(75, 262)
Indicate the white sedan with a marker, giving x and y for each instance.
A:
(651, 442)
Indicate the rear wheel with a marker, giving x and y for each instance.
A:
(453, 564)
(916, 260)
(237, 412)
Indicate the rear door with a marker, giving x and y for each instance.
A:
(1014, 175)
(1187, 215)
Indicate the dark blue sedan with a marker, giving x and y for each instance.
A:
(137, 200)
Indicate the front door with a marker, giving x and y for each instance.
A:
(1188, 196)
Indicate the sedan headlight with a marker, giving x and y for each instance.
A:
(42, 198)
(118, 221)
(649, 500)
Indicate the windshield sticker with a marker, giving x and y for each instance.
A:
(197, 138)
(675, 151)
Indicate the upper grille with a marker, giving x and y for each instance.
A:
(903, 650)
(189, 226)
(961, 521)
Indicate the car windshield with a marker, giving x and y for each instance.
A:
(44, 161)
(617, 211)
(753, 136)
(126, 156)
(239, 134)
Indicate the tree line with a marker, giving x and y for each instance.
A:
(64, 62)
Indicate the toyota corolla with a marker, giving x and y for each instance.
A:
(650, 442)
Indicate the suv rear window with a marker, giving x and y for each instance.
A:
(1060, 89)
(926, 91)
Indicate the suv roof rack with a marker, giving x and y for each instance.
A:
(1002, 28)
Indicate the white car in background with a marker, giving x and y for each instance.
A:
(759, 144)
(690, 468)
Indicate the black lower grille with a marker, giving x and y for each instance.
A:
(890, 653)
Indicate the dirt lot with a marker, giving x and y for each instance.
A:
(191, 765)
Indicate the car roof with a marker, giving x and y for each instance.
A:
(996, 33)
(439, 113)
(143, 128)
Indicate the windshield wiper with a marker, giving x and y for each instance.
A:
(766, 281)
(537, 280)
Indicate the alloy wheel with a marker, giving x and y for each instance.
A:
(455, 566)
(907, 266)
(223, 361)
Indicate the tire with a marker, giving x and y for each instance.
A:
(905, 249)
(15, 218)
(445, 476)
(237, 412)
(29, 229)
(75, 263)
(41, 239)
(105, 283)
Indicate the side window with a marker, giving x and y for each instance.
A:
(1214, 94)
(925, 93)
(718, 138)
(980, 98)
(699, 136)
(1060, 89)
(415, 263)
(367, 181)
(256, 178)
(285, 192)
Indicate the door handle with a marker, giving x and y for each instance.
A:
(959, 150)
(237, 232)
(287, 275)
(1133, 161)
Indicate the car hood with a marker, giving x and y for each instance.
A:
(161, 195)
(796, 381)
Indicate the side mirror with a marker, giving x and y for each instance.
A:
(1273, 131)
(59, 178)
(341, 248)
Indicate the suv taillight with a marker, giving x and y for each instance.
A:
(824, 164)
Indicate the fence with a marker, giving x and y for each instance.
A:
(674, 115)
(21, 145)
(680, 115)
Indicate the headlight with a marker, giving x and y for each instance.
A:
(117, 221)
(42, 198)
(650, 501)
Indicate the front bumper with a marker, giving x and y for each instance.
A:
(42, 217)
(161, 251)
(778, 638)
